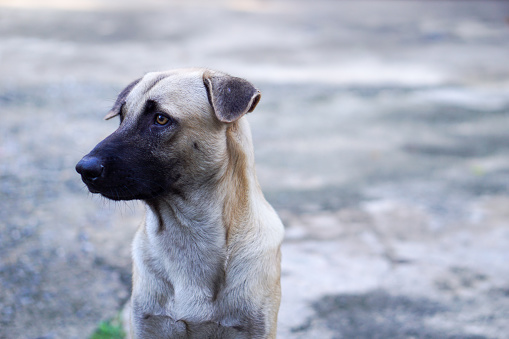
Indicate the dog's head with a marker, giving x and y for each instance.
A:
(171, 135)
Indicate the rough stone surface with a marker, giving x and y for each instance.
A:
(382, 139)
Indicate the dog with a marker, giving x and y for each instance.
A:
(207, 259)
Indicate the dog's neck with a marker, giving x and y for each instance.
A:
(198, 231)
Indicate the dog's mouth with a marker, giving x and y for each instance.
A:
(122, 191)
(117, 193)
(126, 191)
(91, 188)
(114, 193)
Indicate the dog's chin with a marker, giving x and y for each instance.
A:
(122, 195)
(118, 197)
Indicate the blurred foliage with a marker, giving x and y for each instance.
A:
(109, 329)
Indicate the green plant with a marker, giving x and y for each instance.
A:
(109, 329)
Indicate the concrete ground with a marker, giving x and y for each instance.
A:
(382, 139)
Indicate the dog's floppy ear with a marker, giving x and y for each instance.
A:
(229, 96)
(115, 110)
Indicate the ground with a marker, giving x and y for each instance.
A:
(381, 139)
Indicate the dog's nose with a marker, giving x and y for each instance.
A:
(90, 168)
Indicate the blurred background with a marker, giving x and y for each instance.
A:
(382, 139)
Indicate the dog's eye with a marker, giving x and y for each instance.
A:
(162, 120)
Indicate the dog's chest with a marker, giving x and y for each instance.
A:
(188, 254)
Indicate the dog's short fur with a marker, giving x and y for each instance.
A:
(206, 261)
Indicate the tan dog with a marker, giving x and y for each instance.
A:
(206, 261)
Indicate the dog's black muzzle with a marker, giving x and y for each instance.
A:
(120, 170)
